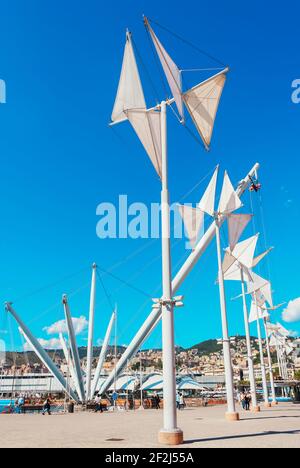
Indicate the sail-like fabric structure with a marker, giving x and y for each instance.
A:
(241, 257)
(257, 312)
(193, 220)
(283, 331)
(202, 102)
(229, 200)
(237, 224)
(147, 125)
(130, 105)
(171, 71)
(244, 251)
(229, 262)
(266, 291)
(257, 284)
(207, 203)
(130, 93)
(260, 257)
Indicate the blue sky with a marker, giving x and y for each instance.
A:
(59, 158)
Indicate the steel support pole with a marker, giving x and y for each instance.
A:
(74, 348)
(91, 334)
(255, 406)
(231, 414)
(273, 393)
(170, 434)
(102, 355)
(262, 362)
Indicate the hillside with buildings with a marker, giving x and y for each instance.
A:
(205, 358)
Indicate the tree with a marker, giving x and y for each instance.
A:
(297, 375)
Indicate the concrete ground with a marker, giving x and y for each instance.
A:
(203, 427)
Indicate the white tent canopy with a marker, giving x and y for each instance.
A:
(125, 382)
(154, 382)
(190, 384)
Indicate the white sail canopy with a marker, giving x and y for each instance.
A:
(229, 200)
(237, 224)
(274, 340)
(283, 331)
(244, 252)
(257, 284)
(207, 203)
(202, 102)
(193, 220)
(147, 125)
(272, 328)
(260, 257)
(130, 93)
(171, 70)
(241, 257)
(231, 267)
(276, 307)
(257, 312)
(267, 293)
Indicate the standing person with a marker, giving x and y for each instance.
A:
(98, 401)
(178, 401)
(21, 404)
(248, 400)
(243, 402)
(157, 401)
(47, 407)
(181, 401)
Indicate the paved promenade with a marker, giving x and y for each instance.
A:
(203, 427)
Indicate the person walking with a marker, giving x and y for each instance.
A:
(99, 407)
(248, 400)
(157, 401)
(47, 407)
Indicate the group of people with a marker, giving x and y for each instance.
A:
(20, 405)
(245, 400)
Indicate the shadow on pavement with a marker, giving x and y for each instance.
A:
(244, 436)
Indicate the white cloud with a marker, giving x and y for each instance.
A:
(80, 324)
(52, 344)
(292, 313)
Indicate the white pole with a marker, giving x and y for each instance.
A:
(102, 355)
(74, 348)
(170, 434)
(279, 360)
(141, 382)
(41, 353)
(91, 334)
(115, 363)
(270, 364)
(261, 352)
(155, 316)
(68, 359)
(284, 360)
(255, 406)
(231, 414)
